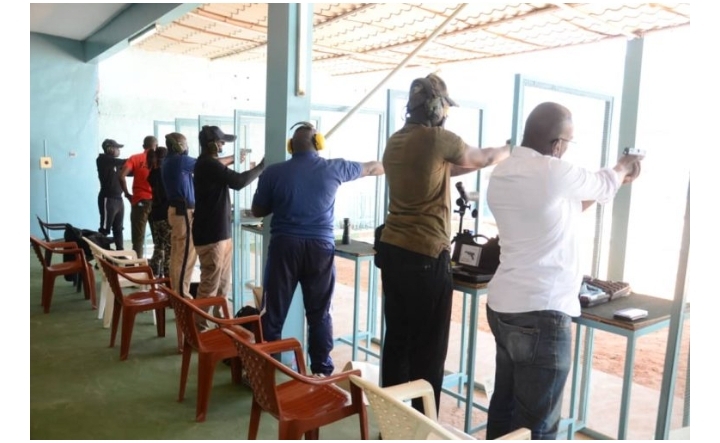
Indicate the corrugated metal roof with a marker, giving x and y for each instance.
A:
(350, 38)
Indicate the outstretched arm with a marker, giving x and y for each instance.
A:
(227, 160)
(627, 169)
(238, 180)
(230, 159)
(477, 158)
(372, 168)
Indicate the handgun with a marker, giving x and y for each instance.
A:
(634, 151)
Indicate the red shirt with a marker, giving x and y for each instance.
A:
(137, 166)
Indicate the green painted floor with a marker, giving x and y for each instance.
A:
(79, 388)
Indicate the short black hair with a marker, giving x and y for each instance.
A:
(149, 140)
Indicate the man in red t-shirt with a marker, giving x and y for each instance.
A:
(141, 197)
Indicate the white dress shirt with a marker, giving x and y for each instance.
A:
(537, 203)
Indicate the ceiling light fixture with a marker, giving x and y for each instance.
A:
(143, 35)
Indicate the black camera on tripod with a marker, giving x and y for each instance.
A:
(473, 262)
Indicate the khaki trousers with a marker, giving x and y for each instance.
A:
(215, 271)
(180, 232)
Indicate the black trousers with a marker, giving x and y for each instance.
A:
(310, 262)
(418, 304)
(112, 214)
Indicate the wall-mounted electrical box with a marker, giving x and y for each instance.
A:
(45, 162)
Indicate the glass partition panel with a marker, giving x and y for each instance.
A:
(161, 128)
(248, 264)
(358, 139)
(250, 129)
(189, 128)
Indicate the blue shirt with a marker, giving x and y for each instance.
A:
(177, 172)
(300, 193)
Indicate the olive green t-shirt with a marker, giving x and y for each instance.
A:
(417, 163)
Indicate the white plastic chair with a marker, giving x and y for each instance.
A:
(398, 420)
(118, 258)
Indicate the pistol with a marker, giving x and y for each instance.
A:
(634, 151)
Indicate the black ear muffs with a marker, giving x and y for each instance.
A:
(318, 139)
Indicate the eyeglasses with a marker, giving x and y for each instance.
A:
(563, 139)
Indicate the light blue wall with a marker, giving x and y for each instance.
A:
(63, 120)
(64, 114)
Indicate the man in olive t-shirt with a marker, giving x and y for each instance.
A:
(414, 248)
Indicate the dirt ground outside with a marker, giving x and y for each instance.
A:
(608, 350)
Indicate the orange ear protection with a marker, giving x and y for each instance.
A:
(318, 139)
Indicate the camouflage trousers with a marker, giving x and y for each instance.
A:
(160, 260)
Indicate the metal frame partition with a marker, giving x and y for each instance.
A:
(159, 132)
(247, 236)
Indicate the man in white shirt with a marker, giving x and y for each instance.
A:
(537, 200)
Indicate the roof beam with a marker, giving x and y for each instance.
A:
(113, 37)
(402, 64)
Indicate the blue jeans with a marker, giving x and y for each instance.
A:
(532, 363)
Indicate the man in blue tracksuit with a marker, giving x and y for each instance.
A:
(300, 193)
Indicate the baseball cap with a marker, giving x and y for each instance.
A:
(213, 133)
(110, 143)
(419, 91)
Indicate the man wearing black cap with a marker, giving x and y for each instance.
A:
(413, 251)
(211, 229)
(110, 204)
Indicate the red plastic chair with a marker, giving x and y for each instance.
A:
(301, 404)
(151, 297)
(77, 265)
(211, 345)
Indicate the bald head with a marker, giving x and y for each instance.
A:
(302, 139)
(548, 129)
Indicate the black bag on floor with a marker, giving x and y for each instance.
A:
(76, 235)
(247, 311)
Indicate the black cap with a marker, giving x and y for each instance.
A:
(213, 133)
(110, 143)
(419, 91)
